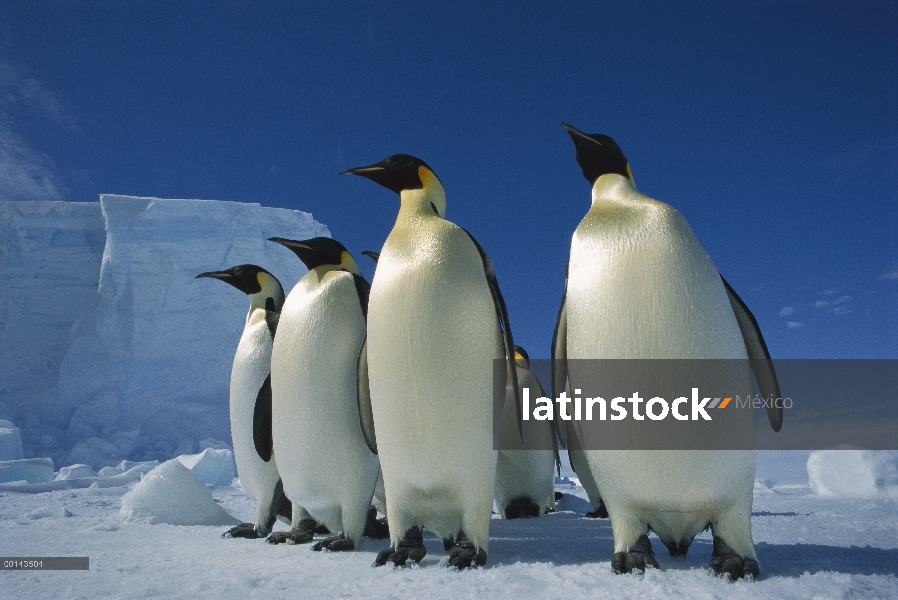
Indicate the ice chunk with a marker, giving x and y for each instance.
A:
(32, 470)
(853, 473)
(74, 472)
(126, 465)
(172, 494)
(10, 441)
(112, 480)
(212, 466)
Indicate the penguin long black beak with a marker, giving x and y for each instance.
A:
(574, 133)
(363, 171)
(222, 275)
(375, 256)
(291, 244)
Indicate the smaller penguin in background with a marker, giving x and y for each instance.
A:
(525, 482)
(327, 466)
(250, 398)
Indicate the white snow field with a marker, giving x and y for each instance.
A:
(809, 546)
(110, 348)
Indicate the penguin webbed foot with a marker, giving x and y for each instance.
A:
(303, 534)
(464, 555)
(521, 508)
(410, 547)
(638, 557)
(244, 530)
(725, 561)
(337, 543)
(375, 528)
(600, 512)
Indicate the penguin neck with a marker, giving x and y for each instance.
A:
(318, 273)
(270, 300)
(611, 187)
(429, 201)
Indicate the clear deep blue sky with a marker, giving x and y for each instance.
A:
(773, 127)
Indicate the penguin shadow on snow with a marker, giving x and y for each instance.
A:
(793, 560)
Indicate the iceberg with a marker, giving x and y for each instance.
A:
(112, 350)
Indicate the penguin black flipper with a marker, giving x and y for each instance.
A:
(366, 413)
(502, 314)
(363, 288)
(758, 355)
(555, 436)
(559, 360)
(271, 316)
(262, 437)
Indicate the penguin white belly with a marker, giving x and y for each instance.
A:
(325, 465)
(432, 338)
(641, 286)
(252, 362)
(524, 470)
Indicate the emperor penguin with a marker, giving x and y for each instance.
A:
(436, 319)
(250, 398)
(326, 465)
(525, 478)
(640, 286)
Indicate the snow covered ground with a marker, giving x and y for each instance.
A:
(809, 546)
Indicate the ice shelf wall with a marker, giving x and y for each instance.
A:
(109, 348)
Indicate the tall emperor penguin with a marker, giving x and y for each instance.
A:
(434, 318)
(640, 286)
(250, 403)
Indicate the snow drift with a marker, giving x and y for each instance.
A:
(111, 349)
(172, 494)
(853, 473)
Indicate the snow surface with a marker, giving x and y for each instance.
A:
(809, 546)
(111, 350)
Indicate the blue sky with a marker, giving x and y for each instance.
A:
(772, 126)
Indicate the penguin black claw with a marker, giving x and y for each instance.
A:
(294, 536)
(725, 561)
(337, 543)
(244, 530)
(638, 557)
(464, 555)
(410, 547)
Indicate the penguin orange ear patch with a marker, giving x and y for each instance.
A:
(425, 175)
(629, 172)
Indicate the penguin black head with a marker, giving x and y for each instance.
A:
(397, 172)
(521, 355)
(255, 282)
(320, 251)
(598, 155)
(375, 256)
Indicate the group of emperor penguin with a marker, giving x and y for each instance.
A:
(347, 398)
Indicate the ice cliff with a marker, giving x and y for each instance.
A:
(109, 348)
